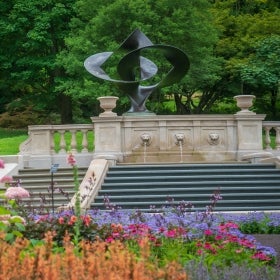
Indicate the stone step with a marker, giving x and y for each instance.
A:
(190, 190)
(185, 172)
(246, 186)
(187, 166)
(201, 177)
(205, 183)
(39, 184)
(186, 197)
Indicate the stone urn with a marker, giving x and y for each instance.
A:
(244, 102)
(108, 103)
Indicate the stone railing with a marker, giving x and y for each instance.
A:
(48, 144)
(271, 128)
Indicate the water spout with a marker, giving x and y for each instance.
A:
(146, 141)
(180, 141)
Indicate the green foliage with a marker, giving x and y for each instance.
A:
(189, 29)
(28, 64)
(262, 71)
(232, 46)
(263, 226)
(245, 25)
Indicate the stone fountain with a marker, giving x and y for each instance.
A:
(200, 138)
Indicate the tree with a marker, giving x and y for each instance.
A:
(33, 32)
(262, 71)
(243, 25)
(184, 24)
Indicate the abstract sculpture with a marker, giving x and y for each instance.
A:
(132, 61)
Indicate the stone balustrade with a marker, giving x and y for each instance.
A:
(48, 144)
(271, 128)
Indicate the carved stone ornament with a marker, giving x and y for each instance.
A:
(146, 139)
(213, 138)
(180, 139)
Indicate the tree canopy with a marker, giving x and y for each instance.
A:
(233, 47)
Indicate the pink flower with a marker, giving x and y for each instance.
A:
(246, 243)
(208, 232)
(218, 237)
(171, 233)
(6, 179)
(261, 256)
(2, 165)
(16, 192)
(71, 159)
(61, 220)
(109, 239)
(199, 252)
(238, 251)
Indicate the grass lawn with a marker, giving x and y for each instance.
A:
(10, 139)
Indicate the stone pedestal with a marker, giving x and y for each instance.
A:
(249, 134)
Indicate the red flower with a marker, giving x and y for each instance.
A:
(73, 220)
(2, 165)
(86, 219)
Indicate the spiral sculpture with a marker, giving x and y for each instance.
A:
(132, 60)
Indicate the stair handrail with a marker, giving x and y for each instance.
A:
(90, 185)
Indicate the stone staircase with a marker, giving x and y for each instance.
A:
(243, 187)
(39, 184)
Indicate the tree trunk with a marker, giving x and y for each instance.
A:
(66, 114)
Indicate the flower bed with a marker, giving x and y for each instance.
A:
(210, 242)
(118, 244)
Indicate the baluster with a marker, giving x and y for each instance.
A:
(277, 139)
(62, 143)
(52, 142)
(267, 138)
(73, 141)
(84, 141)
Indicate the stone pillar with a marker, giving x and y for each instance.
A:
(108, 139)
(249, 134)
(40, 146)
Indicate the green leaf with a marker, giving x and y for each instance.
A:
(20, 226)
(4, 211)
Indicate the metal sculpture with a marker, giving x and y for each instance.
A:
(131, 61)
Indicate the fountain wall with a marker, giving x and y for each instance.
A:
(177, 138)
